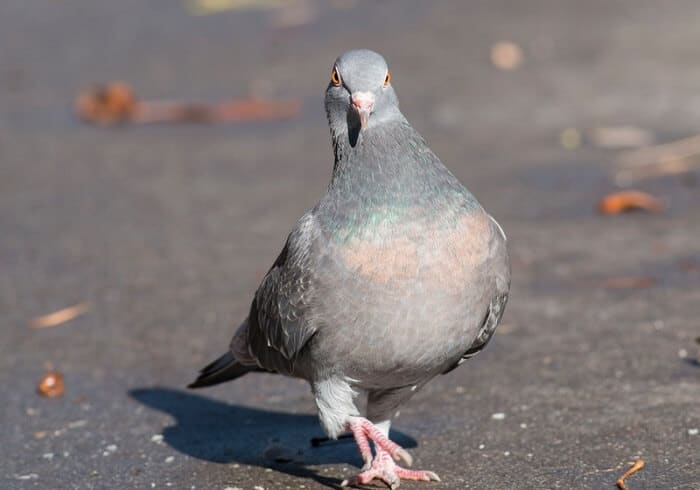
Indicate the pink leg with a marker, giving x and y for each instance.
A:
(362, 444)
(382, 467)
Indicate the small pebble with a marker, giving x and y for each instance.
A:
(157, 438)
(523, 426)
(111, 448)
(170, 459)
(693, 432)
(47, 456)
(506, 453)
(682, 353)
(481, 446)
(498, 416)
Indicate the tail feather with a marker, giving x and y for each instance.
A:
(225, 368)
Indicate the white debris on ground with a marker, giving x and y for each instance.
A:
(109, 450)
(30, 476)
(498, 416)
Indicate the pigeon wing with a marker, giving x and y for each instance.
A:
(278, 323)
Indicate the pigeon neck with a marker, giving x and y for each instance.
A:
(390, 169)
(388, 159)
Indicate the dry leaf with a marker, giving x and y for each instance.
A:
(60, 316)
(618, 202)
(111, 103)
(506, 55)
(638, 465)
(51, 384)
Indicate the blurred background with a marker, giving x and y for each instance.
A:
(137, 218)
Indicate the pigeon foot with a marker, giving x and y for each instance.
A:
(382, 466)
(385, 469)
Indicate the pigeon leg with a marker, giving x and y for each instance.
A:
(382, 466)
(362, 443)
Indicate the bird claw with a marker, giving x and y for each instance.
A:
(432, 476)
(401, 454)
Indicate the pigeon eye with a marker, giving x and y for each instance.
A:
(335, 77)
(387, 79)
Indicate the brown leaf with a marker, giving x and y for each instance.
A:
(51, 384)
(619, 202)
(111, 103)
(60, 316)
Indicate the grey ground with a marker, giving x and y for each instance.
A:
(166, 231)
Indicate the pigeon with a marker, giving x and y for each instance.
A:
(397, 275)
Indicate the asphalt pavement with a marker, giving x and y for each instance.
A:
(164, 232)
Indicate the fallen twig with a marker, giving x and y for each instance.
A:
(635, 468)
(117, 103)
(60, 316)
(666, 159)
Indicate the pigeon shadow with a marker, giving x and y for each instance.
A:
(219, 432)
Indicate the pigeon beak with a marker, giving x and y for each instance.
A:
(363, 103)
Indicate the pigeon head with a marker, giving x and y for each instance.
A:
(359, 95)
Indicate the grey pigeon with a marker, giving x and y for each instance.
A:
(396, 276)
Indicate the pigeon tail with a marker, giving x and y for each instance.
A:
(225, 368)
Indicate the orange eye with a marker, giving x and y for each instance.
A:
(335, 77)
(387, 80)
